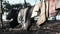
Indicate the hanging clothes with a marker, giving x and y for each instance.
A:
(39, 7)
(42, 15)
(45, 8)
(52, 4)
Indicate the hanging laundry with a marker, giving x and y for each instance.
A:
(52, 7)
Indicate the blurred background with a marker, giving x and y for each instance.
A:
(50, 27)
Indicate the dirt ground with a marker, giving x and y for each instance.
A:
(52, 27)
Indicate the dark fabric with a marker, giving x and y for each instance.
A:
(28, 19)
(13, 14)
